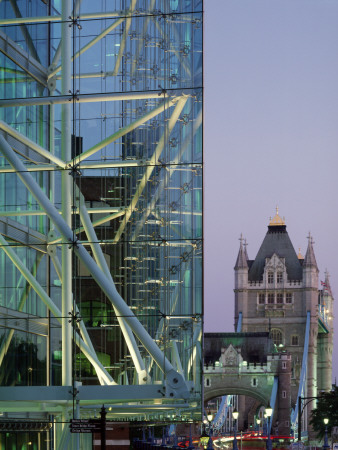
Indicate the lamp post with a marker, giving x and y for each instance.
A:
(300, 411)
(265, 428)
(204, 439)
(258, 421)
(268, 411)
(235, 415)
(326, 442)
(210, 416)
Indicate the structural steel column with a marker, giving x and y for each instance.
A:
(66, 197)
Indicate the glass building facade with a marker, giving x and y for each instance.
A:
(100, 213)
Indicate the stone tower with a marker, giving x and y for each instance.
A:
(277, 292)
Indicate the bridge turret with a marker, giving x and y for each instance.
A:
(310, 268)
(310, 284)
(241, 267)
(241, 281)
(325, 337)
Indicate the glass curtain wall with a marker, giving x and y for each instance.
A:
(123, 95)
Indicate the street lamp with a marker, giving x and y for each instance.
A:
(258, 421)
(326, 442)
(268, 411)
(265, 427)
(204, 439)
(235, 415)
(210, 416)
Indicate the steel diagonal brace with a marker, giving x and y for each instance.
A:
(175, 384)
(152, 164)
(54, 71)
(172, 305)
(124, 38)
(37, 148)
(52, 253)
(96, 223)
(51, 305)
(7, 339)
(23, 59)
(143, 376)
(25, 32)
(163, 183)
(177, 53)
(123, 131)
(196, 344)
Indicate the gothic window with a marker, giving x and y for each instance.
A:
(271, 298)
(261, 299)
(276, 336)
(283, 394)
(288, 298)
(283, 365)
(279, 298)
(279, 277)
(270, 277)
(294, 340)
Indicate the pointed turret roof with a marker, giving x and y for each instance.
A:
(241, 262)
(245, 250)
(276, 241)
(326, 284)
(310, 259)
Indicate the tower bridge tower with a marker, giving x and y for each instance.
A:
(278, 292)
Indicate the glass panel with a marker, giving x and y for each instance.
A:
(135, 137)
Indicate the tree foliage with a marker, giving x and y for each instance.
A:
(327, 407)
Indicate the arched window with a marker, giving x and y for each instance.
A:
(276, 336)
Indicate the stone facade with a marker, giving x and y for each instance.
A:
(274, 293)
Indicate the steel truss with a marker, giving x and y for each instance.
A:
(163, 371)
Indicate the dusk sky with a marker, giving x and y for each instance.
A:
(271, 136)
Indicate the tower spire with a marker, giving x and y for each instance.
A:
(310, 259)
(326, 284)
(245, 249)
(241, 262)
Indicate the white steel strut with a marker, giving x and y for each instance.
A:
(176, 385)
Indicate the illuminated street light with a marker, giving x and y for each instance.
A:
(258, 421)
(210, 416)
(268, 411)
(235, 415)
(326, 442)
